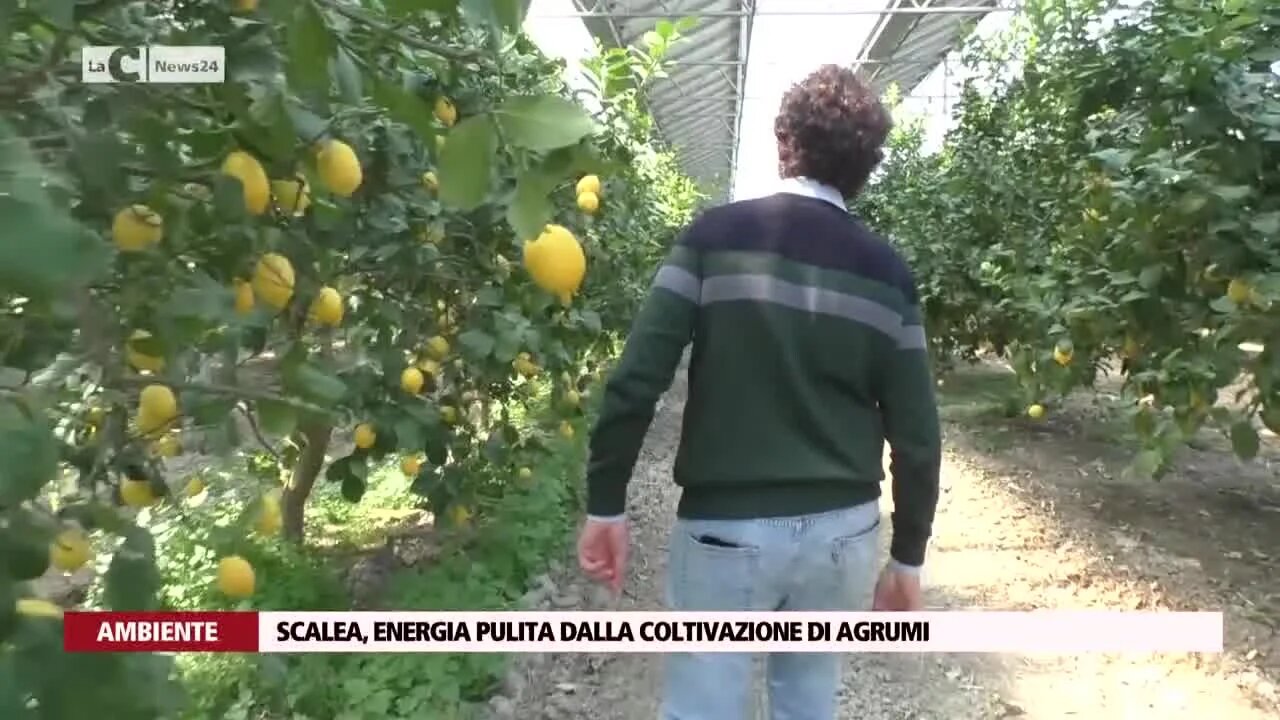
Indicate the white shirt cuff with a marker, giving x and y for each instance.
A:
(607, 519)
(896, 566)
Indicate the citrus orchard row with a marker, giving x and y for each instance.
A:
(381, 239)
(1113, 203)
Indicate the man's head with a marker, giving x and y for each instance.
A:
(830, 128)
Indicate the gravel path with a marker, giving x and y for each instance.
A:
(995, 546)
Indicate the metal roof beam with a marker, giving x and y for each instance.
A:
(723, 14)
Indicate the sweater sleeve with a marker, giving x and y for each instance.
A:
(910, 413)
(659, 334)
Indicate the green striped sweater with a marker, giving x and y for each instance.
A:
(808, 355)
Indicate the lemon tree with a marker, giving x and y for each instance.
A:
(1111, 204)
(377, 240)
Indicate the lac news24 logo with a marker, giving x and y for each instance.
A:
(170, 64)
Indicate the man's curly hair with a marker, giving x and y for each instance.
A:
(830, 128)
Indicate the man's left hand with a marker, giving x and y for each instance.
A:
(602, 552)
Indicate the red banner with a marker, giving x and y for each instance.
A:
(160, 632)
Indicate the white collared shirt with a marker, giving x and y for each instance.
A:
(811, 188)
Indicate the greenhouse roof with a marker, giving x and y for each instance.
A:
(698, 109)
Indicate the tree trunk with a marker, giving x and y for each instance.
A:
(294, 500)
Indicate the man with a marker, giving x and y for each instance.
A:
(808, 354)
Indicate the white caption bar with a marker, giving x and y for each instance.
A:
(661, 632)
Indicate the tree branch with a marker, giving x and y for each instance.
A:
(359, 17)
(233, 391)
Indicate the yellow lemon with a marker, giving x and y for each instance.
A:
(566, 430)
(70, 550)
(273, 280)
(136, 493)
(588, 202)
(440, 141)
(194, 487)
(253, 180)
(431, 235)
(1239, 291)
(140, 360)
(235, 577)
(430, 181)
(244, 297)
(445, 112)
(326, 308)
(167, 446)
(95, 416)
(411, 380)
(1062, 357)
(525, 367)
(270, 518)
(572, 398)
(588, 184)
(339, 168)
(35, 607)
(438, 347)
(459, 514)
(365, 436)
(245, 6)
(525, 475)
(1036, 411)
(449, 414)
(555, 261)
(136, 228)
(411, 465)
(292, 196)
(1131, 347)
(430, 367)
(157, 408)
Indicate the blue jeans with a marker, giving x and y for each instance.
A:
(817, 563)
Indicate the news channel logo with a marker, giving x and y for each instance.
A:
(156, 64)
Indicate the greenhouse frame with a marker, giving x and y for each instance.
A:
(698, 109)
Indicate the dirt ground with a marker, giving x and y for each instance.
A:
(1032, 515)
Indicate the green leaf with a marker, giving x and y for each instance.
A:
(59, 12)
(223, 436)
(353, 488)
(1244, 440)
(1147, 463)
(1232, 193)
(591, 321)
(497, 15)
(43, 251)
(543, 122)
(1150, 276)
(28, 454)
(309, 40)
(466, 165)
(306, 379)
(477, 343)
(400, 8)
(276, 419)
(530, 209)
(308, 126)
(1223, 305)
(351, 466)
(347, 77)
(132, 579)
(205, 300)
(409, 435)
(405, 107)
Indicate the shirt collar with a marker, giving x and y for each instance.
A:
(812, 188)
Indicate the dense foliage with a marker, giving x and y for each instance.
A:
(1117, 198)
(328, 244)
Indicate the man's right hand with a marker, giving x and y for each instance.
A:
(898, 591)
(602, 552)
